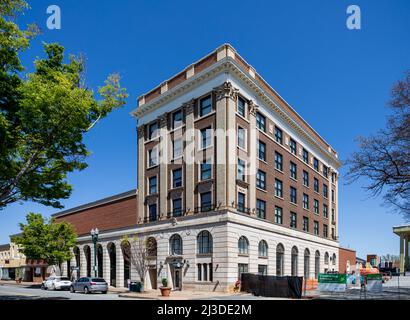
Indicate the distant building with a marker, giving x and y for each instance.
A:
(347, 260)
(404, 233)
(373, 260)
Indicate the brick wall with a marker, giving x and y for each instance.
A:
(344, 256)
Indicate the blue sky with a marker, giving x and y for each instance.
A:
(339, 80)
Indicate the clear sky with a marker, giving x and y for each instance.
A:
(338, 79)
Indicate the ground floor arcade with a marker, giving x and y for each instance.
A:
(206, 252)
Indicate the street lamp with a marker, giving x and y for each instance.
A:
(94, 237)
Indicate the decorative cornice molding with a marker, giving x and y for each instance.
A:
(228, 64)
(226, 90)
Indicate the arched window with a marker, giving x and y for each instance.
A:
(317, 264)
(306, 272)
(294, 261)
(204, 242)
(175, 245)
(243, 245)
(326, 257)
(334, 259)
(151, 247)
(263, 248)
(280, 254)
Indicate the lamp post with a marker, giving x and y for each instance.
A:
(94, 237)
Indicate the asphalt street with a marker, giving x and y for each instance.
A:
(22, 293)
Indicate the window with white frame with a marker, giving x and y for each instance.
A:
(205, 106)
(206, 138)
(243, 245)
(241, 170)
(177, 148)
(152, 157)
(241, 138)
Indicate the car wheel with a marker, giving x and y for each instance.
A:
(72, 289)
(104, 292)
(86, 290)
(42, 287)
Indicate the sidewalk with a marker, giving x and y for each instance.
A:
(178, 295)
(22, 284)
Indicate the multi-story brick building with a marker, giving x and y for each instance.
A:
(230, 179)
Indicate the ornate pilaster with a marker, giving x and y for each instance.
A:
(163, 166)
(189, 156)
(226, 90)
(141, 174)
(252, 165)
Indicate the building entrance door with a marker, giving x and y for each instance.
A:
(177, 279)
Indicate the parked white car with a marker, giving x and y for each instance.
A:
(56, 283)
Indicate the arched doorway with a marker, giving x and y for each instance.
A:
(126, 252)
(113, 264)
(306, 272)
(76, 252)
(280, 253)
(87, 253)
(294, 261)
(100, 260)
(152, 258)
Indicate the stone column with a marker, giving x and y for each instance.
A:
(141, 175)
(252, 165)
(406, 253)
(119, 266)
(402, 253)
(189, 158)
(163, 165)
(106, 263)
(226, 96)
(83, 262)
(93, 264)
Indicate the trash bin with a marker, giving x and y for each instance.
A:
(135, 286)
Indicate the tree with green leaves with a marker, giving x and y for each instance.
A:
(44, 115)
(44, 239)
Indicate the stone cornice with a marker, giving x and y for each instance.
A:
(228, 64)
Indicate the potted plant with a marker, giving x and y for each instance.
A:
(165, 290)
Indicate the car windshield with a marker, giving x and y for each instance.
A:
(97, 280)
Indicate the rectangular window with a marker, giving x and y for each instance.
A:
(325, 194)
(333, 195)
(292, 146)
(293, 170)
(316, 185)
(316, 206)
(241, 202)
(278, 215)
(278, 161)
(306, 224)
(152, 209)
(325, 171)
(261, 122)
(177, 119)
(152, 157)
(278, 135)
(261, 209)
(242, 268)
(206, 170)
(177, 148)
(205, 106)
(305, 156)
(316, 228)
(261, 150)
(325, 231)
(241, 138)
(316, 164)
(241, 170)
(206, 137)
(206, 201)
(262, 269)
(153, 185)
(153, 130)
(293, 220)
(325, 211)
(199, 271)
(333, 234)
(293, 195)
(333, 216)
(333, 177)
(305, 201)
(278, 188)
(305, 178)
(241, 107)
(261, 179)
(177, 178)
(176, 207)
